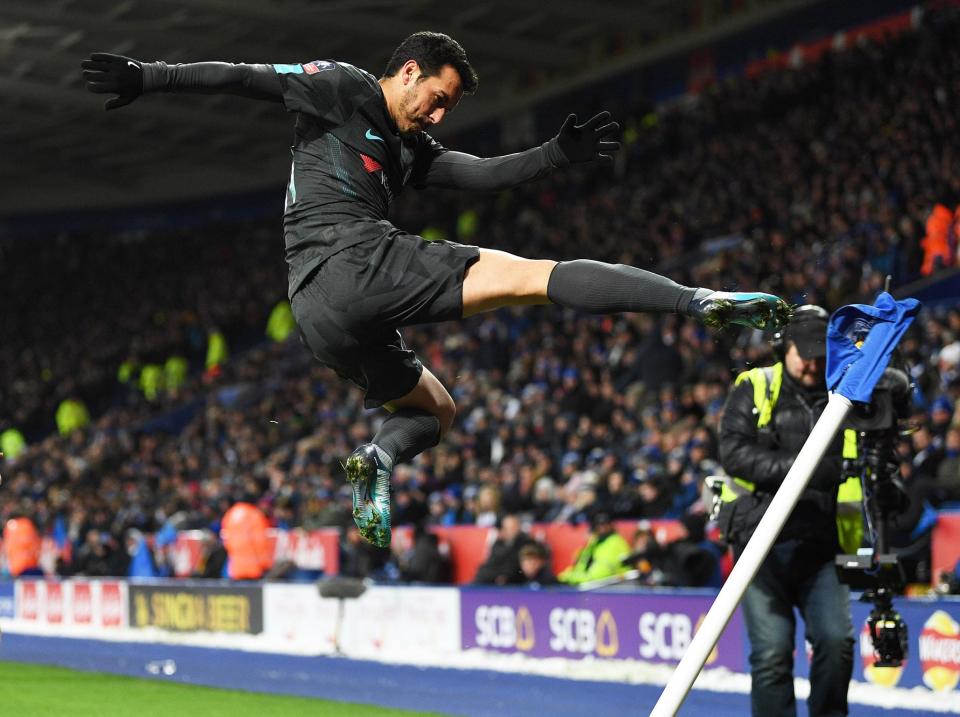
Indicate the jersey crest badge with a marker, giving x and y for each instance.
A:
(312, 68)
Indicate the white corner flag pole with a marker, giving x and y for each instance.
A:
(755, 552)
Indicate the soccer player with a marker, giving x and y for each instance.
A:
(354, 278)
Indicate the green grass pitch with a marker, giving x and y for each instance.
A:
(44, 691)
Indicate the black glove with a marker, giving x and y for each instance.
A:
(106, 73)
(585, 142)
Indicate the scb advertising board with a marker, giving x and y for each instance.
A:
(642, 626)
(933, 650)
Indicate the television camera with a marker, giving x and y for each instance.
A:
(876, 569)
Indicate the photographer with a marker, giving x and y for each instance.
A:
(768, 416)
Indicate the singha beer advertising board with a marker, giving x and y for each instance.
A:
(182, 607)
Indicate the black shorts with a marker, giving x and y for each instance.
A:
(349, 310)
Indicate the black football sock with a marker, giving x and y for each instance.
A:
(599, 288)
(406, 433)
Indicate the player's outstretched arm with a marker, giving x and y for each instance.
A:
(106, 73)
(592, 141)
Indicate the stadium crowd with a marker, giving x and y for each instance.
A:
(813, 183)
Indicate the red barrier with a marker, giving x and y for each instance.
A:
(945, 545)
(563, 540)
(807, 52)
(466, 545)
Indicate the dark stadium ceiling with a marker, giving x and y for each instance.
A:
(60, 150)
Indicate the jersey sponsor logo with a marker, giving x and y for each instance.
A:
(370, 164)
(372, 137)
(312, 68)
(288, 69)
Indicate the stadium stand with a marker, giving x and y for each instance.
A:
(813, 182)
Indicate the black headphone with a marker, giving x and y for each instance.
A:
(802, 314)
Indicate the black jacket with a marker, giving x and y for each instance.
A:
(763, 457)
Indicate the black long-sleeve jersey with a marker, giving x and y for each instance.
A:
(349, 160)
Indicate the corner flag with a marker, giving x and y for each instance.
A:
(860, 340)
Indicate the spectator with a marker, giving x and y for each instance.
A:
(358, 558)
(244, 532)
(99, 557)
(424, 562)
(602, 556)
(21, 546)
(947, 487)
(502, 566)
(692, 560)
(646, 556)
(213, 557)
(534, 566)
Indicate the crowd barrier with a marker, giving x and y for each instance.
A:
(439, 625)
(467, 546)
(945, 546)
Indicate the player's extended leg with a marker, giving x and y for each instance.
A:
(417, 421)
(499, 279)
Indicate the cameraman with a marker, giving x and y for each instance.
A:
(768, 416)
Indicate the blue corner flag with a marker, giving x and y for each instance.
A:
(860, 341)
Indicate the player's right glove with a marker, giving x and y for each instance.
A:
(106, 73)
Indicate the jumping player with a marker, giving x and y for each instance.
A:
(354, 278)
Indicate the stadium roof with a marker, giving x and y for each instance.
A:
(60, 150)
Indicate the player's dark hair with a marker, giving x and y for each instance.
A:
(432, 51)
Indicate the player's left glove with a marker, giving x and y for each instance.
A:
(106, 73)
(587, 142)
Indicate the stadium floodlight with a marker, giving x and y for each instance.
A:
(860, 341)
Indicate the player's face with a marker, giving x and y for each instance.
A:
(426, 100)
(808, 372)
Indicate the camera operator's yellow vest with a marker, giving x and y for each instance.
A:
(766, 382)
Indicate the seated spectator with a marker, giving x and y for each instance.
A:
(947, 486)
(358, 558)
(502, 566)
(99, 556)
(619, 497)
(325, 511)
(488, 505)
(646, 557)
(655, 497)
(602, 556)
(213, 557)
(535, 567)
(692, 560)
(424, 562)
(546, 506)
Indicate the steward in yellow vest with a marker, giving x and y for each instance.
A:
(766, 383)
